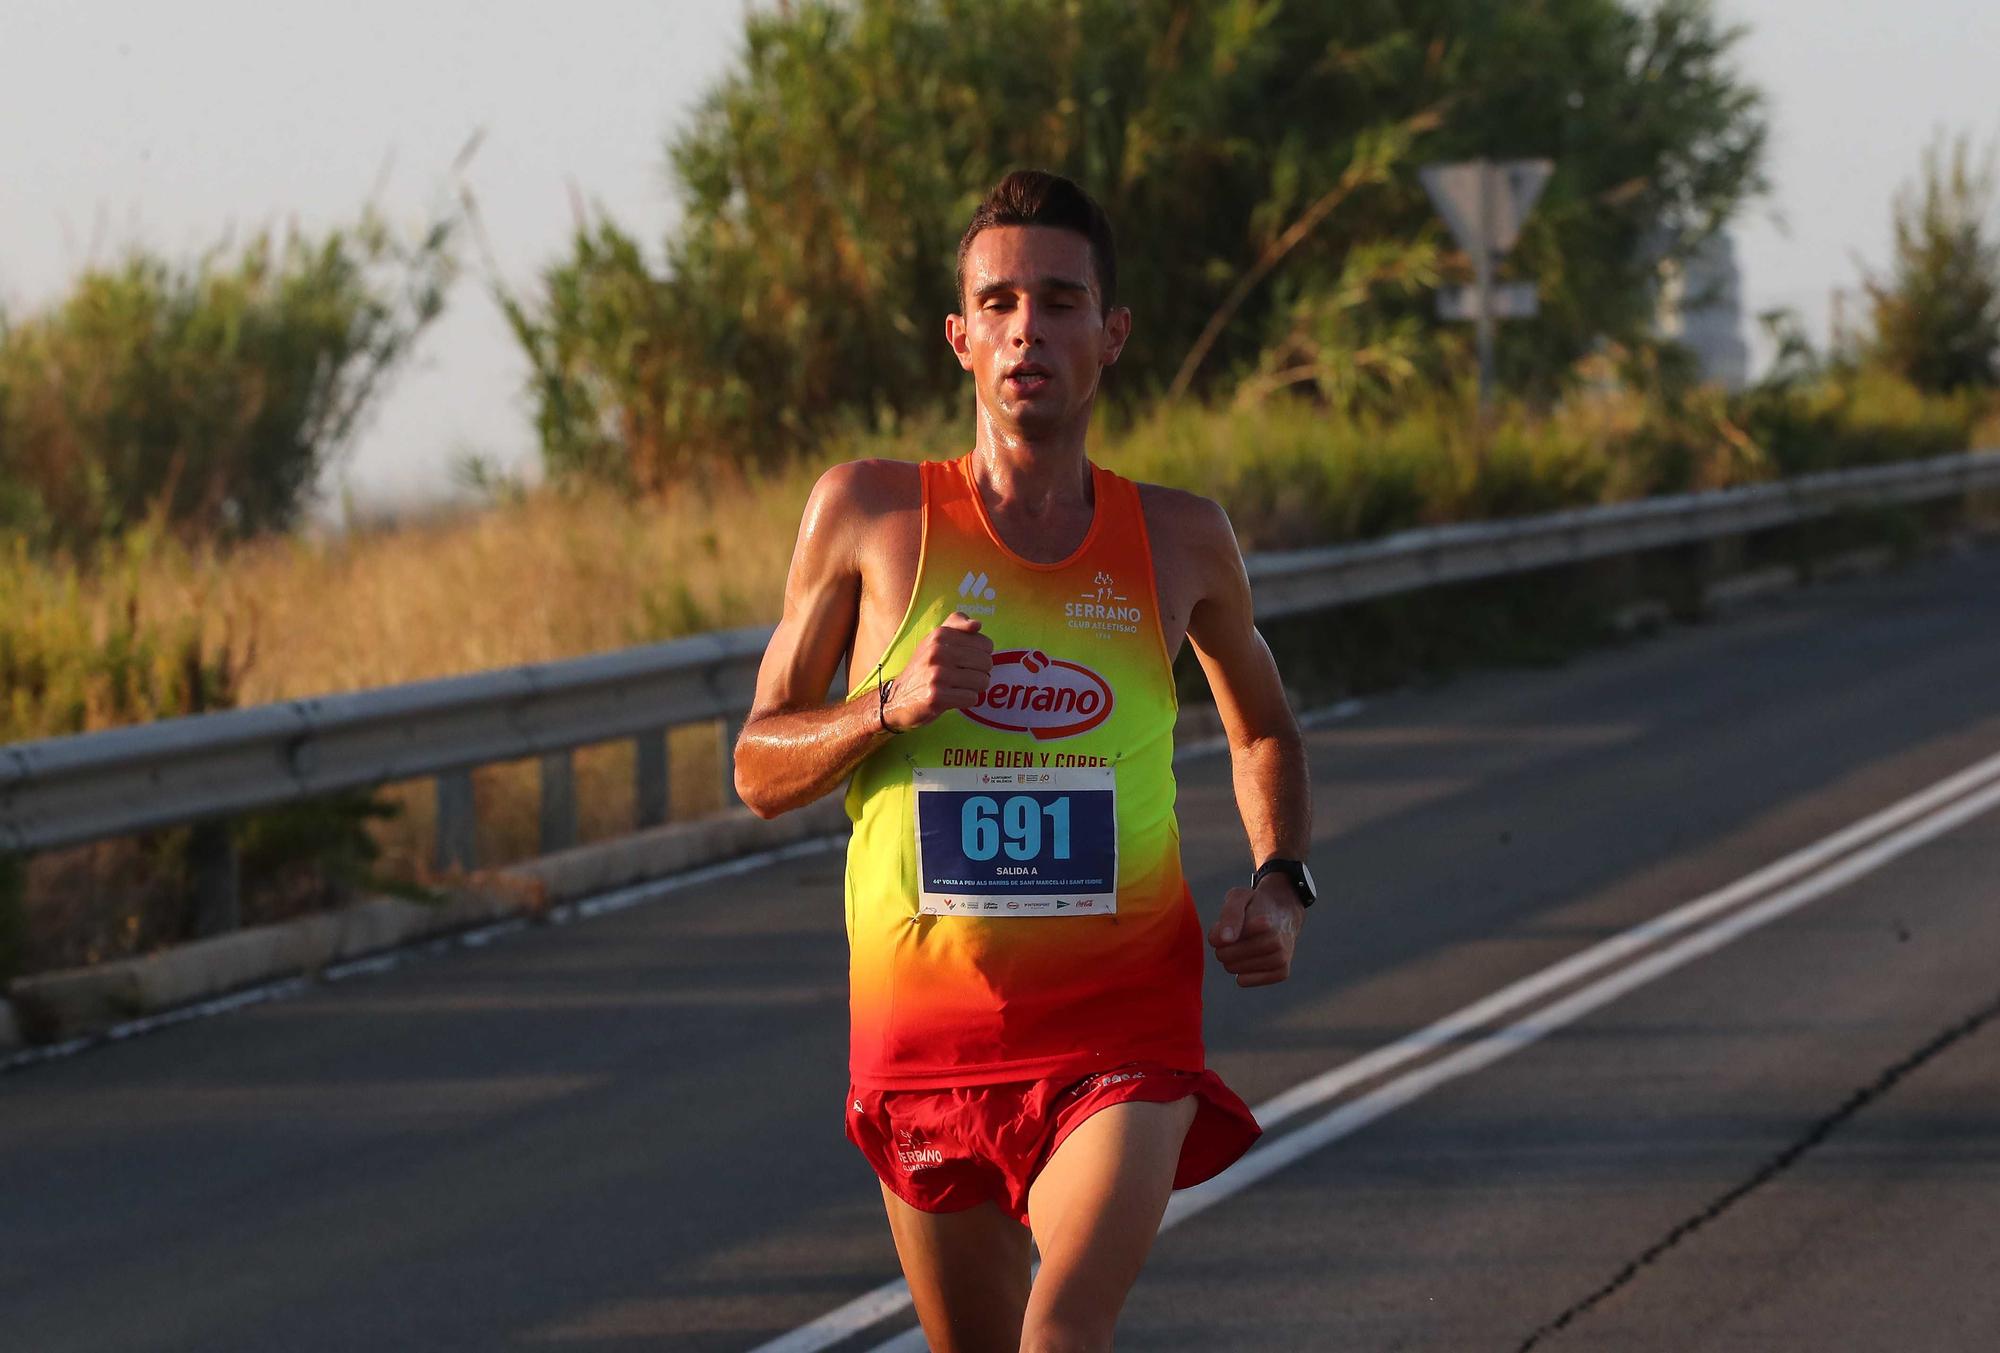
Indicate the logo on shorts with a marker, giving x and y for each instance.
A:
(1031, 692)
(914, 1151)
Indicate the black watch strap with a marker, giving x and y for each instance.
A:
(1294, 870)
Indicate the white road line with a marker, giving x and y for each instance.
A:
(1272, 1155)
(1351, 1117)
(1454, 1027)
(843, 1322)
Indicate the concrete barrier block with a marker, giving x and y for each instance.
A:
(73, 1002)
(56, 1005)
(1743, 588)
(1858, 563)
(676, 847)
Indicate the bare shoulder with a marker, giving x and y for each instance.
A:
(1195, 559)
(1187, 524)
(867, 488)
(853, 500)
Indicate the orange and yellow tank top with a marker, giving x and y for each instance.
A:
(1015, 903)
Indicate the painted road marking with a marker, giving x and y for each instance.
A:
(1910, 823)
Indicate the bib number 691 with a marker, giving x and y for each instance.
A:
(988, 826)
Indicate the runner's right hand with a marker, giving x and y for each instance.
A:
(949, 670)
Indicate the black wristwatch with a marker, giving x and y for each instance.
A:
(1295, 870)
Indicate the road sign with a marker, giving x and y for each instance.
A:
(1511, 190)
(1484, 204)
(1509, 300)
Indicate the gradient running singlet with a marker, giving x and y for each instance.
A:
(1015, 904)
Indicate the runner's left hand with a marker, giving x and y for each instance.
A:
(1257, 931)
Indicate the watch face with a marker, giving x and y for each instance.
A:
(1302, 879)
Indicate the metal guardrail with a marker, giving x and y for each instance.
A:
(63, 791)
(1296, 581)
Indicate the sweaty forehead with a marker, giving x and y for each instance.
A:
(1027, 255)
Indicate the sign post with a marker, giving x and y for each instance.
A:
(1484, 203)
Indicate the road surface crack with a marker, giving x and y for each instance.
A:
(1772, 1168)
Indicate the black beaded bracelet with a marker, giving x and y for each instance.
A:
(882, 703)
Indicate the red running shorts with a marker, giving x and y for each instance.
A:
(946, 1150)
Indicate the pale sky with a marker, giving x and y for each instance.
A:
(170, 123)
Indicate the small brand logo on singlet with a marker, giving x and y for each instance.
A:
(976, 595)
(1103, 609)
(1031, 692)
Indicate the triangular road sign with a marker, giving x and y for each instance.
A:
(1521, 183)
(1512, 187)
(1454, 191)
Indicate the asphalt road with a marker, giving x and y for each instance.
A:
(625, 1133)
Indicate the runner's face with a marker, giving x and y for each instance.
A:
(1034, 334)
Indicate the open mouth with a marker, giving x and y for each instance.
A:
(1026, 379)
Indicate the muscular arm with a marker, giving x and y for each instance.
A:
(1267, 757)
(1257, 931)
(795, 746)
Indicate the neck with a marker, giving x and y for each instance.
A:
(1038, 472)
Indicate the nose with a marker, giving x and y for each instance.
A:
(1027, 325)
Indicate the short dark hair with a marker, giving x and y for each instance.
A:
(1034, 197)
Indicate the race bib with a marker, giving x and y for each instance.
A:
(1017, 843)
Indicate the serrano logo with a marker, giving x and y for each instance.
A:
(1031, 692)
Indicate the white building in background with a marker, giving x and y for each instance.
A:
(1700, 303)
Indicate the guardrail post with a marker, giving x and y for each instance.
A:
(649, 777)
(211, 854)
(1979, 507)
(728, 731)
(1701, 564)
(457, 821)
(558, 800)
(13, 915)
(1721, 557)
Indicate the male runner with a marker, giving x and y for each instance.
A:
(1026, 959)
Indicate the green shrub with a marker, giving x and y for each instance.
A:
(1857, 416)
(1937, 315)
(1258, 158)
(213, 394)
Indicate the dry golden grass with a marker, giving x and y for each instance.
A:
(551, 576)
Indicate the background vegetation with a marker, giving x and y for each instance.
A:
(163, 426)
(160, 408)
(211, 395)
(1937, 312)
(1258, 158)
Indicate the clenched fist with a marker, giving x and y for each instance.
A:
(949, 670)
(1257, 931)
